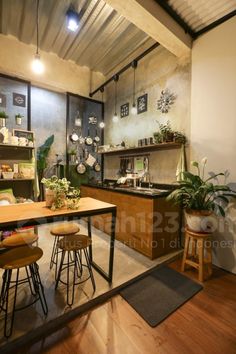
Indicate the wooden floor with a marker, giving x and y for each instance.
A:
(206, 324)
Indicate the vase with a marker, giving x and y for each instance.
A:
(49, 197)
(200, 220)
(18, 120)
(2, 122)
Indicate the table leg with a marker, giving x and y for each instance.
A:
(108, 276)
(90, 236)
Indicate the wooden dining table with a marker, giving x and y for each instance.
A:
(34, 214)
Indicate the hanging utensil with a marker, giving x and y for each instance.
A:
(88, 139)
(74, 137)
(97, 166)
(81, 167)
(96, 138)
(81, 138)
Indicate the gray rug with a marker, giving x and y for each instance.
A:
(159, 294)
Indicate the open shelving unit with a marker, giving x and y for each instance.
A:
(146, 148)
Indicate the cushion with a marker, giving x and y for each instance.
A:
(21, 239)
(6, 196)
(65, 229)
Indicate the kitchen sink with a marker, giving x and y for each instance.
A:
(144, 190)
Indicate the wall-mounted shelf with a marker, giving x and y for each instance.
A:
(15, 179)
(16, 146)
(146, 148)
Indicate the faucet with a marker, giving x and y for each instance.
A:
(145, 178)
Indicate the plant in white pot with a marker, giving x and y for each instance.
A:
(56, 191)
(3, 118)
(18, 118)
(200, 198)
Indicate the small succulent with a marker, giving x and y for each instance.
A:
(3, 114)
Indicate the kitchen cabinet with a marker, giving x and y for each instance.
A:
(150, 225)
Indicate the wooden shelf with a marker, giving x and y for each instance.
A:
(15, 179)
(154, 147)
(16, 146)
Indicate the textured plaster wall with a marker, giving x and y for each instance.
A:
(158, 71)
(60, 75)
(213, 123)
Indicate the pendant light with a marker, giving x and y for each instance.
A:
(115, 117)
(102, 124)
(134, 108)
(37, 65)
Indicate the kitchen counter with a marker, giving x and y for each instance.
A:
(157, 190)
(145, 221)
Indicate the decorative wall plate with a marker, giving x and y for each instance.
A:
(165, 101)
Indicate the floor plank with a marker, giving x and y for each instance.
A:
(204, 325)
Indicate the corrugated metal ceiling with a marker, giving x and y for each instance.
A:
(200, 13)
(103, 40)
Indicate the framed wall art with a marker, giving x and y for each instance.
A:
(19, 99)
(142, 103)
(124, 110)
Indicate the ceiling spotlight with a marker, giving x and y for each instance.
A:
(72, 19)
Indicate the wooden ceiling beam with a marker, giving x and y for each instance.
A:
(151, 18)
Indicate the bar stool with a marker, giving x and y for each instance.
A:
(200, 244)
(16, 259)
(75, 246)
(62, 230)
(18, 240)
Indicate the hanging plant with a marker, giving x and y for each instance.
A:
(18, 118)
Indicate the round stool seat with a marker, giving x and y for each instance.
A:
(75, 243)
(20, 257)
(18, 240)
(65, 229)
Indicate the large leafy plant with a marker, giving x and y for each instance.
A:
(197, 193)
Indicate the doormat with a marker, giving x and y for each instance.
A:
(159, 293)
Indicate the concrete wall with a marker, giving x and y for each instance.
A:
(60, 75)
(213, 119)
(157, 71)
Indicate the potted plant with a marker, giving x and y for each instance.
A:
(72, 198)
(18, 118)
(3, 117)
(56, 191)
(165, 133)
(200, 198)
(72, 154)
(179, 137)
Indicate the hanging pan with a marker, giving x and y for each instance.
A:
(97, 166)
(96, 138)
(88, 139)
(81, 167)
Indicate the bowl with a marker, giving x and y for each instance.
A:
(7, 175)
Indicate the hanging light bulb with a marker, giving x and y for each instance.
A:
(134, 110)
(37, 65)
(115, 118)
(102, 124)
(72, 19)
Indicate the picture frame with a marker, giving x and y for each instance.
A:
(19, 99)
(29, 135)
(142, 103)
(124, 110)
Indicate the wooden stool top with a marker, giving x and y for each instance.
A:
(198, 234)
(20, 239)
(75, 243)
(20, 257)
(65, 229)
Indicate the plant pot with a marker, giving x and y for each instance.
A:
(18, 120)
(49, 197)
(2, 122)
(200, 220)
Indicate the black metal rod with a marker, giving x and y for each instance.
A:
(215, 24)
(126, 67)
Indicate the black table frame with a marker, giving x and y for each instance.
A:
(75, 216)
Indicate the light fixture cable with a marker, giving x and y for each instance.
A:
(37, 26)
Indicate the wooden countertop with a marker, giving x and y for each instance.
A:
(38, 213)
